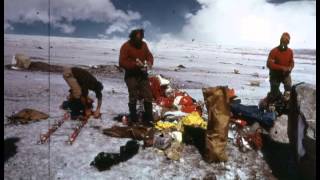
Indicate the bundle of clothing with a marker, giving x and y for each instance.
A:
(104, 161)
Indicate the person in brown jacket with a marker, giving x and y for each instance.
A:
(80, 82)
(136, 58)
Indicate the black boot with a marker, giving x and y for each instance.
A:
(148, 115)
(133, 112)
(76, 107)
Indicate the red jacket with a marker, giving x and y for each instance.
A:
(129, 54)
(277, 59)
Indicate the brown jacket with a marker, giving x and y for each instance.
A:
(87, 82)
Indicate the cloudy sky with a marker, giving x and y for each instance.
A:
(229, 22)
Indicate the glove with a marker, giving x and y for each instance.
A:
(139, 63)
(285, 69)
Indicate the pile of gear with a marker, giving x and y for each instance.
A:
(209, 126)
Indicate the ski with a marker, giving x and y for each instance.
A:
(77, 130)
(45, 137)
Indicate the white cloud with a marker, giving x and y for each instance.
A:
(146, 24)
(124, 27)
(63, 12)
(253, 23)
(118, 26)
(65, 28)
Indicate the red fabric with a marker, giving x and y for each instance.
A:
(186, 101)
(155, 87)
(165, 102)
(129, 54)
(192, 108)
(189, 108)
(178, 93)
(277, 59)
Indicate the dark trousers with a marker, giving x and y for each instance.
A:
(275, 81)
(138, 88)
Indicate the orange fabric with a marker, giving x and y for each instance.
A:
(129, 54)
(277, 59)
(231, 93)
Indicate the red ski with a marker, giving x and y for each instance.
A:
(45, 137)
(77, 130)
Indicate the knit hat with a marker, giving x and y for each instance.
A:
(285, 36)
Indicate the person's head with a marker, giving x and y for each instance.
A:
(136, 36)
(284, 40)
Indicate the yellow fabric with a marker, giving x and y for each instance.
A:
(161, 125)
(195, 120)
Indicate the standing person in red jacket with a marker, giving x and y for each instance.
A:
(280, 63)
(135, 57)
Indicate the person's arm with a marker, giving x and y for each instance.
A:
(149, 57)
(124, 60)
(85, 101)
(97, 113)
(291, 66)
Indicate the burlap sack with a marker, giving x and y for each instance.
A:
(138, 133)
(22, 61)
(27, 115)
(218, 107)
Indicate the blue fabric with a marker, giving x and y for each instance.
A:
(251, 113)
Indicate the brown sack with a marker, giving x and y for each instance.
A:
(22, 61)
(27, 115)
(138, 133)
(45, 67)
(218, 107)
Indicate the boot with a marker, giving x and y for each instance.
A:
(76, 108)
(133, 112)
(148, 115)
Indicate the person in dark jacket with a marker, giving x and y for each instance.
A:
(80, 82)
(136, 58)
(280, 63)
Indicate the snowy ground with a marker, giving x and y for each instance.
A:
(206, 65)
